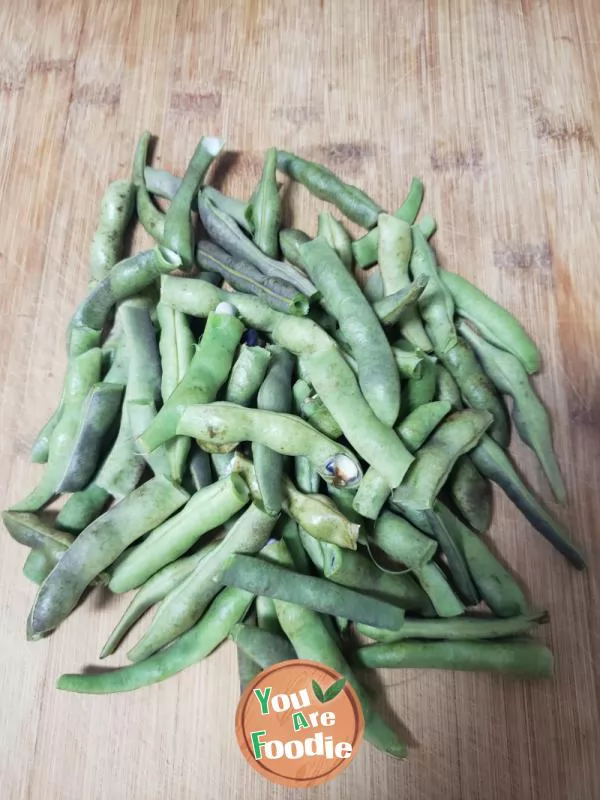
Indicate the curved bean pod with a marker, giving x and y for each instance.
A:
(521, 659)
(264, 209)
(495, 323)
(263, 647)
(419, 391)
(326, 368)
(178, 233)
(116, 210)
(337, 237)
(435, 304)
(82, 508)
(29, 530)
(290, 241)
(225, 423)
(151, 217)
(97, 547)
(226, 609)
(185, 604)
(321, 182)
(493, 462)
(153, 591)
(207, 372)
(463, 629)
(402, 541)
(394, 253)
(397, 306)
(247, 374)
(459, 433)
(311, 639)
(531, 419)
(477, 389)
(82, 373)
(313, 410)
(377, 374)
(408, 360)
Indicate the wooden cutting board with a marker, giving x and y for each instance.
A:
(496, 106)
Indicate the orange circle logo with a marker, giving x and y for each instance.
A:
(299, 723)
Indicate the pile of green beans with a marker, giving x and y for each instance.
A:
(270, 453)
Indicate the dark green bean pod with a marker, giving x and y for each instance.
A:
(116, 210)
(476, 388)
(263, 647)
(37, 566)
(82, 508)
(178, 233)
(200, 468)
(439, 591)
(245, 277)
(264, 209)
(151, 217)
(471, 493)
(29, 530)
(493, 462)
(320, 181)
(402, 541)
(419, 391)
(446, 388)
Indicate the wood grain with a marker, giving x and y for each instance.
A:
(496, 105)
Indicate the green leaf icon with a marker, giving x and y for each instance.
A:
(334, 689)
(318, 692)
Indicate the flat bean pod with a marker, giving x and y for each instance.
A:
(263, 647)
(97, 547)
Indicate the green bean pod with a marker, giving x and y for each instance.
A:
(306, 476)
(29, 530)
(247, 374)
(377, 374)
(151, 217)
(37, 566)
(357, 571)
(82, 373)
(402, 541)
(495, 323)
(366, 248)
(311, 408)
(465, 628)
(178, 234)
(290, 241)
(116, 210)
(275, 394)
(322, 361)
(439, 591)
(311, 639)
(459, 433)
(396, 306)
(97, 547)
(207, 372)
(82, 508)
(435, 304)
(531, 419)
(224, 232)
(206, 510)
(40, 448)
(225, 423)
(263, 647)
(321, 182)
(186, 603)
(476, 388)
(408, 360)
(153, 591)
(418, 391)
(394, 251)
(446, 388)
(337, 237)
(520, 659)
(245, 277)
(416, 428)
(471, 493)
(200, 469)
(493, 462)
(264, 209)
(224, 612)
(161, 182)
(264, 578)
(176, 346)
(266, 615)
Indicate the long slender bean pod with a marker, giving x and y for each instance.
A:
(337, 237)
(290, 241)
(402, 541)
(531, 419)
(151, 217)
(377, 375)
(116, 210)
(493, 462)
(439, 591)
(264, 209)
(224, 612)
